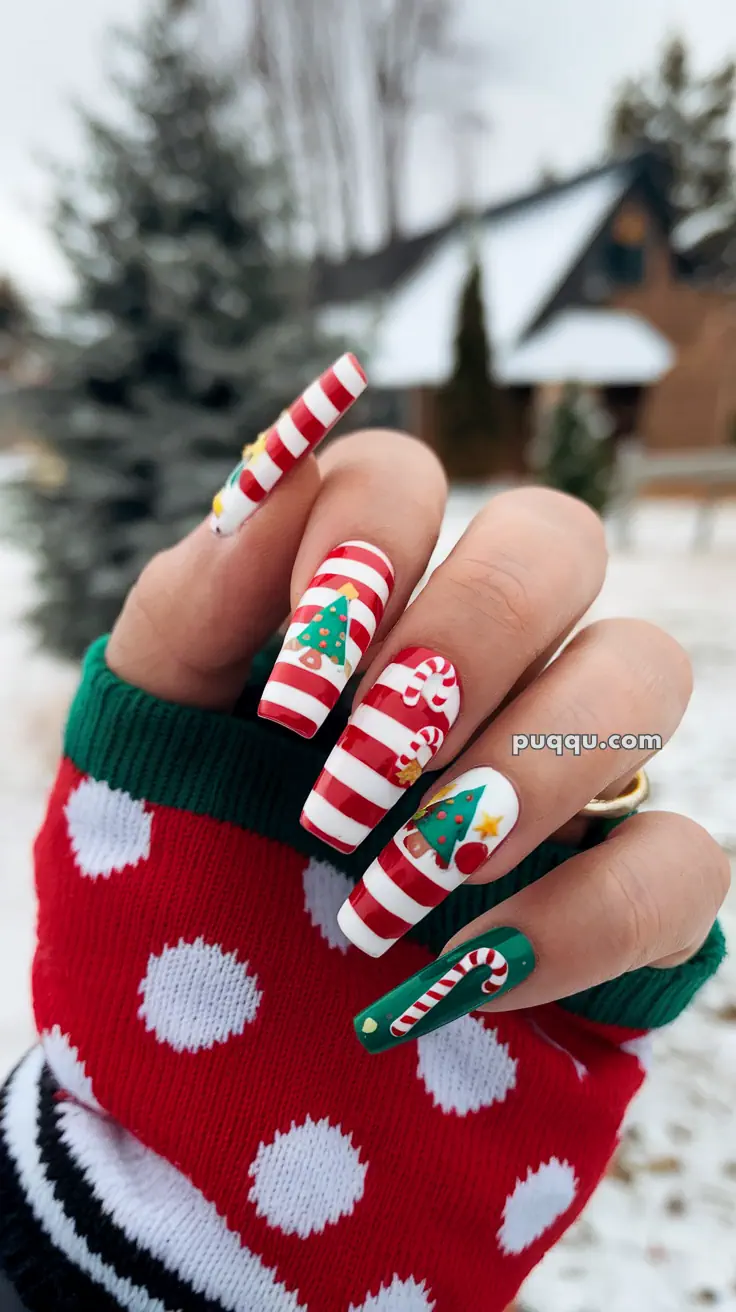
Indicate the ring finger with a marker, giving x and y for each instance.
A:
(616, 677)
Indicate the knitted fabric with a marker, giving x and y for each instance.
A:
(199, 1129)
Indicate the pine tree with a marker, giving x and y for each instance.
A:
(687, 118)
(190, 330)
(15, 315)
(16, 324)
(469, 403)
(573, 449)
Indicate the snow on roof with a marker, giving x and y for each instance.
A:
(524, 253)
(612, 347)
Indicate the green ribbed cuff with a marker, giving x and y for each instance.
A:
(649, 998)
(240, 769)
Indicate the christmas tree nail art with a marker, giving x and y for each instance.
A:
(447, 840)
(455, 984)
(330, 630)
(327, 634)
(296, 432)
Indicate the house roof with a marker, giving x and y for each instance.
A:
(367, 275)
(525, 252)
(596, 346)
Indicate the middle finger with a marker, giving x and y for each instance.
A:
(526, 569)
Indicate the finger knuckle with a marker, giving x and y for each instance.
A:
(635, 916)
(499, 591)
(647, 663)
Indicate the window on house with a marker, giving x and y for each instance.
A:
(626, 251)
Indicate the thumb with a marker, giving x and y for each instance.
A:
(201, 610)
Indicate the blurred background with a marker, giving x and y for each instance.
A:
(523, 220)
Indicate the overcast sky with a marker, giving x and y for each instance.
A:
(552, 67)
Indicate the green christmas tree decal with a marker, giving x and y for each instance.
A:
(327, 633)
(446, 822)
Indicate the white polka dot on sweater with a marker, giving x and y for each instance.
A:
(325, 890)
(536, 1203)
(399, 1296)
(642, 1048)
(196, 995)
(108, 829)
(307, 1178)
(67, 1067)
(464, 1066)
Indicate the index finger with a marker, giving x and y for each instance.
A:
(200, 611)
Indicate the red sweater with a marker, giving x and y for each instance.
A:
(199, 1127)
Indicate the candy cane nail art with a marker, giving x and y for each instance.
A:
(448, 839)
(275, 451)
(457, 983)
(439, 991)
(329, 633)
(390, 738)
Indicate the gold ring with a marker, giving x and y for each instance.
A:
(611, 808)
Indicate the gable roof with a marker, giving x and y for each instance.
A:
(598, 346)
(525, 253)
(361, 276)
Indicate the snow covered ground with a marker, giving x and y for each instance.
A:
(659, 1234)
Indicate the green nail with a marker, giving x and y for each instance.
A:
(455, 984)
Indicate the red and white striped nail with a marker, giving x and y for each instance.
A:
(275, 452)
(448, 839)
(329, 634)
(389, 740)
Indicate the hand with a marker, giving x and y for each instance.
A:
(481, 636)
(191, 980)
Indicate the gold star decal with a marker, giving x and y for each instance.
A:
(488, 827)
(410, 773)
(437, 798)
(255, 448)
(349, 591)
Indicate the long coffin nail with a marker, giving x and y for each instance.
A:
(391, 737)
(452, 986)
(447, 840)
(329, 632)
(275, 452)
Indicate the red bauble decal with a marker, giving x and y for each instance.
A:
(470, 856)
